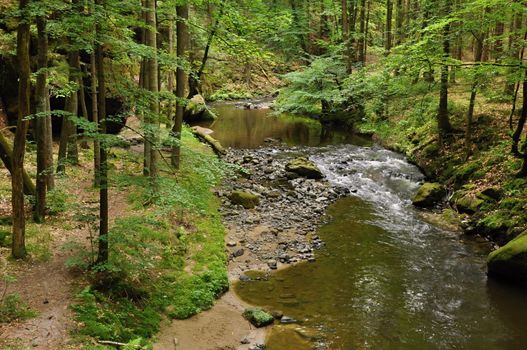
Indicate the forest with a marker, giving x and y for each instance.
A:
(263, 174)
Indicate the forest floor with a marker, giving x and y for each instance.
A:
(168, 256)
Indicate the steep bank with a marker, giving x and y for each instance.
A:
(484, 195)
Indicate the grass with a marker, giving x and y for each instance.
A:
(166, 258)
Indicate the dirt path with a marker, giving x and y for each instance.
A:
(48, 287)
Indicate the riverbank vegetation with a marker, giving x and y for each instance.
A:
(105, 185)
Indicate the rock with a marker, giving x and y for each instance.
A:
(510, 261)
(287, 320)
(231, 244)
(245, 340)
(258, 317)
(273, 265)
(246, 199)
(197, 109)
(257, 347)
(493, 194)
(238, 252)
(304, 167)
(468, 204)
(429, 194)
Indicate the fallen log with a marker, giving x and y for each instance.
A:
(6, 154)
(204, 135)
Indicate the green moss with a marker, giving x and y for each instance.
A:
(245, 199)
(258, 317)
(304, 167)
(429, 194)
(510, 261)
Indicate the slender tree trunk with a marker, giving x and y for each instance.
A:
(388, 35)
(95, 117)
(346, 36)
(82, 102)
(17, 175)
(366, 32)
(443, 120)
(181, 78)
(362, 40)
(151, 79)
(399, 23)
(195, 78)
(103, 173)
(41, 97)
(472, 102)
(521, 121)
(523, 118)
(50, 177)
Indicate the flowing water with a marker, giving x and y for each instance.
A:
(386, 279)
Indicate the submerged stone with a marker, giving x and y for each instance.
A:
(510, 261)
(429, 194)
(258, 317)
(246, 199)
(304, 167)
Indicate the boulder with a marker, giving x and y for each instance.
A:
(258, 317)
(468, 204)
(246, 199)
(490, 194)
(197, 110)
(428, 195)
(304, 167)
(510, 261)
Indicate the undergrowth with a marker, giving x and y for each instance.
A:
(165, 258)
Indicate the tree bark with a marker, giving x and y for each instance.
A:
(182, 45)
(472, 102)
(6, 154)
(151, 79)
(41, 97)
(388, 36)
(443, 120)
(362, 39)
(17, 174)
(103, 173)
(346, 36)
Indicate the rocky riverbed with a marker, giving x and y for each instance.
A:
(280, 227)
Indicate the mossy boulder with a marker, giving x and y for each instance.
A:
(304, 167)
(246, 199)
(490, 194)
(258, 317)
(197, 110)
(510, 261)
(468, 204)
(429, 194)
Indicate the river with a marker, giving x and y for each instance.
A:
(386, 279)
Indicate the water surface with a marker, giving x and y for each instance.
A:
(385, 279)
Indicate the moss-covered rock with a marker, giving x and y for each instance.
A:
(246, 199)
(468, 204)
(258, 317)
(304, 167)
(428, 195)
(490, 194)
(197, 110)
(510, 261)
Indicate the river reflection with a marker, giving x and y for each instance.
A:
(243, 128)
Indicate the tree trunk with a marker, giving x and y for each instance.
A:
(6, 154)
(443, 120)
(19, 147)
(182, 45)
(41, 97)
(521, 122)
(472, 102)
(523, 118)
(388, 36)
(95, 116)
(362, 39)
(195, 77)
(103, 173)
(399, 23)
(346, 35)
(151, 79)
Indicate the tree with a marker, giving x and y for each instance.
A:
(443, 119)
(17, 175)
(182, 45)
